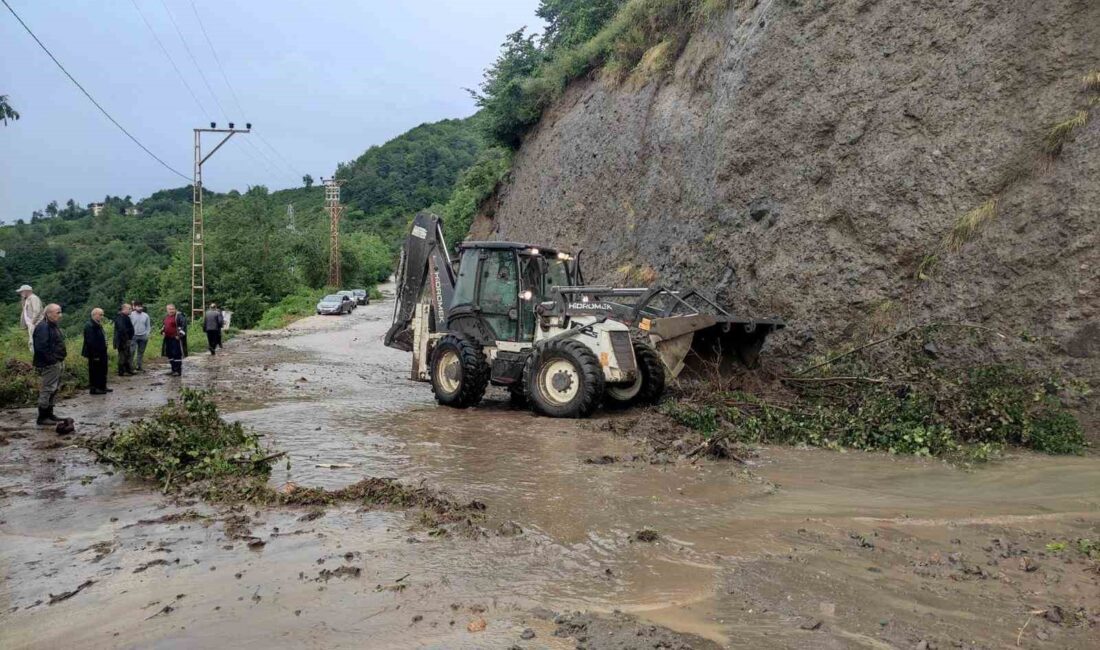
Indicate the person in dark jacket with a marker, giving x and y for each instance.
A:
(124, 341)
(49, 362)
(212, 324)
(174, 347)
(95, 351)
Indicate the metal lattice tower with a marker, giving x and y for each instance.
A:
(335, 211)
(198, 244)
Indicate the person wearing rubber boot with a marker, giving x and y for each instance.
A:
(124, 341)
(174, 340)
(49, 362)
(95, 351)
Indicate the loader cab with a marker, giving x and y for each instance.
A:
(498, 286)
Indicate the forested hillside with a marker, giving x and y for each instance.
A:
(262, 246)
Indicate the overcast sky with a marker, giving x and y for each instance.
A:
(320, 81)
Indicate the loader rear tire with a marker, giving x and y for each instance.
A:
(459, 372)
(650, 385)
(563, 379)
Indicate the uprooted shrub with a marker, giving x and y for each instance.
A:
(900, 398)
(187, 448)
(186, 441)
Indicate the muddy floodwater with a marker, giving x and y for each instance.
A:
(794, 549)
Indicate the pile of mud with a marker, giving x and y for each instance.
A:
(845, 166)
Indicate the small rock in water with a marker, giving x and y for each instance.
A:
(476, 625)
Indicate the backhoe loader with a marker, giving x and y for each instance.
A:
(520, 316)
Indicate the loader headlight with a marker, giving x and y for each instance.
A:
(532, 251)
(526, 295)
(564, 256)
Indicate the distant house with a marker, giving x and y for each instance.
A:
(96, 208)
(132, 211)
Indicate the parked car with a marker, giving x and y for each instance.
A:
(350, 296)
(361, 296)
(335, 304)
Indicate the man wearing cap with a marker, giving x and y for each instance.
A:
(31, 313)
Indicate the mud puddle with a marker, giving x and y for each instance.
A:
(797, 549)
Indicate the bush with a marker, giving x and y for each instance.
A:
(184, 442)
(301, 303)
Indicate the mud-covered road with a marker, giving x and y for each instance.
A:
(796, 549)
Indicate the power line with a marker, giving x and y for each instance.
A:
(193, 60)
(89, 96)
(210, 89)
(221, 69)
(175, 67)
(233, 92)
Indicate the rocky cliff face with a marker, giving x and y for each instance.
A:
(803, 158)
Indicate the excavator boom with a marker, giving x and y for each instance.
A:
(424, 277)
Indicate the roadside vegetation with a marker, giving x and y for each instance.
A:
(902, 394)
(19, 381)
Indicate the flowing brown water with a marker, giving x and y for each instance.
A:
(744, 555)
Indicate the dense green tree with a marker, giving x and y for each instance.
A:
(571, 23)
(414, 170)
(307, 180)
(509, 110)
(6, 111)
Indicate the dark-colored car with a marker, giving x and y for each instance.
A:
(361, 296)
(335, 304)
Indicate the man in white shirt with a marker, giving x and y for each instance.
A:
(32, 312)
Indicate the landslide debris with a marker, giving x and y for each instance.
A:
(916, 391)
(190, 451)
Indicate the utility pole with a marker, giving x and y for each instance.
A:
(335, 211)
(198, 247)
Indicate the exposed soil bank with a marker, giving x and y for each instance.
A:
(806, 160)
(797, 548)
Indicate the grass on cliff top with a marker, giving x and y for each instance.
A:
(901, 398)
(641, 41)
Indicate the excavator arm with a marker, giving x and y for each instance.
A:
(425, 282)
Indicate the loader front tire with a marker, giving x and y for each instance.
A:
(459, 372)
(563, 379)
(650, 385)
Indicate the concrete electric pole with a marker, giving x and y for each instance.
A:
(335, 211)
(198, 248)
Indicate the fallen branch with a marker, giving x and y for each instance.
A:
(869, 380)
(857, 349)
(65, 595)
(711, 446)
(244, 461)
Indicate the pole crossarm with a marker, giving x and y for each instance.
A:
(198, 248)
